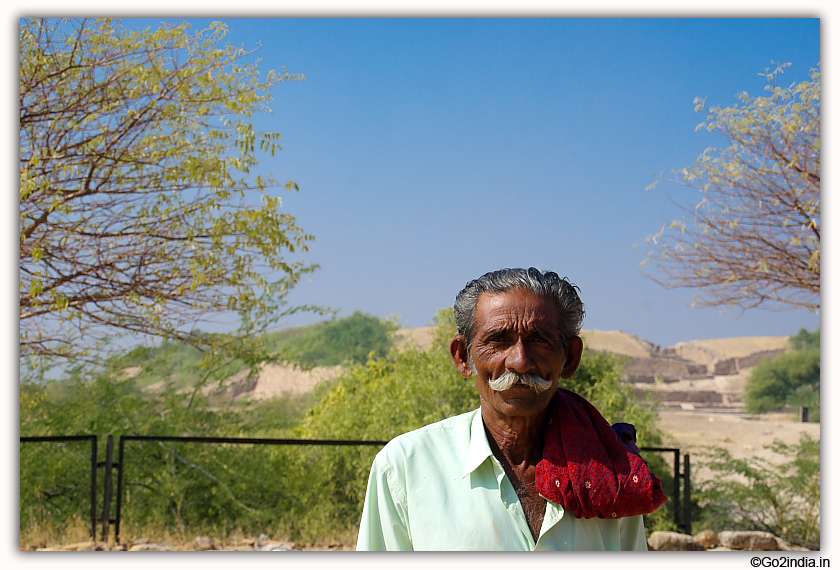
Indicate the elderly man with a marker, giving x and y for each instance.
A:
(536, 467)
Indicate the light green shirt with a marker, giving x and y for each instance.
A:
(441, 488)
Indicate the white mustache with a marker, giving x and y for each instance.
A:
(509, 379)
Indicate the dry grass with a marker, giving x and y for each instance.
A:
(44, 534)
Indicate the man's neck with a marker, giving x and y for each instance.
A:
(518, 438)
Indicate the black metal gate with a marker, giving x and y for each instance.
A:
(683, 522)
(682, 509)
(93, 466)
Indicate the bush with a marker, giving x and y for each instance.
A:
(755, 494)
(804, 340)
(340, 341)
(791, 379)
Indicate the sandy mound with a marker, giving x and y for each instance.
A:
(739, 347)
(275, 380)
(421, 336)
(617, 342)
(132, 371)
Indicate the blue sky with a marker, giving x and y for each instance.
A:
(429, 151)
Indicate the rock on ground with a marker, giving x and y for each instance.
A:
(708, 538)
(203, 543)
(664, 540)
(753, 540)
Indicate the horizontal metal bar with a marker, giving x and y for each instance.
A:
(57, 438)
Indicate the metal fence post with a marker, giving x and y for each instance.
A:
(687, 493)
(93, 468)
(676, 501)
(120, 460)
(106, 499)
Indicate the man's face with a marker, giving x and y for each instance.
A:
(517, 331)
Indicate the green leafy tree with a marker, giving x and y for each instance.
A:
(753, 238)
(756, 494)
(804, 340)
(139, 212)
(339, 341)
(792, 379)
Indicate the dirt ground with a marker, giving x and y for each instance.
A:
(743, 436)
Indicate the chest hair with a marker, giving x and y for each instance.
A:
(533, 505)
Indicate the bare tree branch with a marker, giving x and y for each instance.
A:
(754, 238)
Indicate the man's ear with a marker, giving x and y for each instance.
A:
(458, 350)
(574, 350)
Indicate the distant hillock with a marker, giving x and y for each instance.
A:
(325, 344)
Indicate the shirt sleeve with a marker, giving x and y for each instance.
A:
(632, 531)
(384, 523)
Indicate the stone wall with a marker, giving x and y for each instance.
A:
(756, 357)
(696, 354)
(694, 397)
(657, 366)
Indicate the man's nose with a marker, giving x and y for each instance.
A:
(518, 358)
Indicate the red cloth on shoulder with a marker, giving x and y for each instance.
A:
(588, 470)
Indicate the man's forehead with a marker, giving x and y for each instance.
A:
(515, 306)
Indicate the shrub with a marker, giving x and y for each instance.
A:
(339, 341)
(755, 494)
(791, 379)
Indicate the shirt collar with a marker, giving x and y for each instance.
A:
(479, 448)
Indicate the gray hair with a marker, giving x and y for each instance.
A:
(548, 284)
